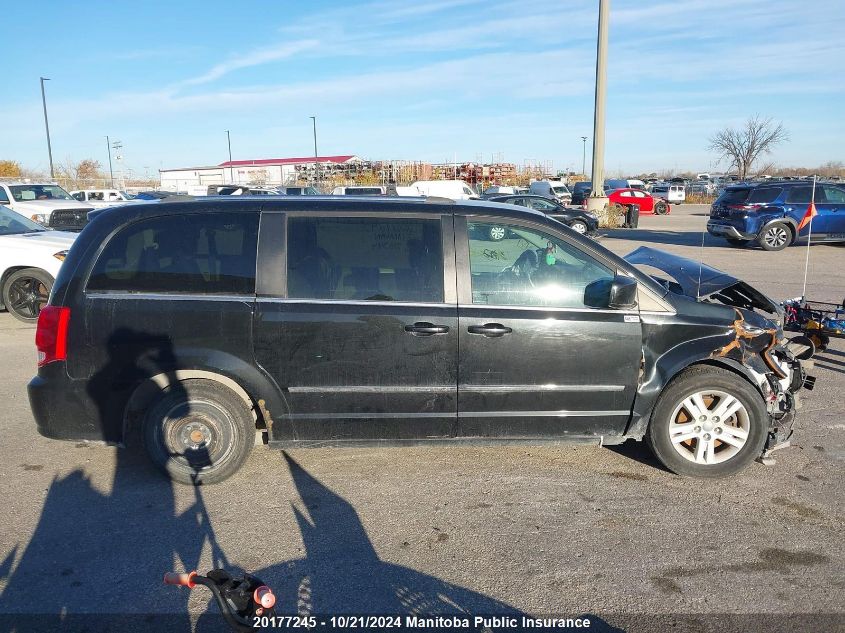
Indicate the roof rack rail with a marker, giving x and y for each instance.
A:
(438, 200)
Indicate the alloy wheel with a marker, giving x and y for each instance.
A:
(579, 227)
(709, 427)
(27, 295)
(497, 233)
(776, 237)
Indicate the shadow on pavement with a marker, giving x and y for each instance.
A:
(96, 557)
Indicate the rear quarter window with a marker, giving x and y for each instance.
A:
(734, 196)
(764, 195)
(209, 253)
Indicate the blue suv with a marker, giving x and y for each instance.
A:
(770, 213)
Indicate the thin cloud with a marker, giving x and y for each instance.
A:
(256, 57)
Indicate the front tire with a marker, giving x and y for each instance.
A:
(25, 292)
(708, 422)
(579, 227)
(775, 237)
(198, 432)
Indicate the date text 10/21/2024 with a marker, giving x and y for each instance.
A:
(363, 622)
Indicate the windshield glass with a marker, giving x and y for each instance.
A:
(560, 189)
(127, 195)
(26, 193)
(12, 223)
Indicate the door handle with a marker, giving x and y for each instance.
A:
(424, 328)
(490, 330)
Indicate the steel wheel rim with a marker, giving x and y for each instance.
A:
(195, 433)
(27, 295)
(709, 427)
(497, 232)
(579, 227)
(776, 236)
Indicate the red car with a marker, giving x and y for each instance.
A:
(648, 204)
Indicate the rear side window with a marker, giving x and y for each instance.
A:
(800, 195)
(4, 199)
(365, 259)
(210, 253)
(764, 195)
(834, 195)
(735, 196)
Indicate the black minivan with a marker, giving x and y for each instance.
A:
(191, 326)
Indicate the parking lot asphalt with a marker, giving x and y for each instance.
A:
(548, 530)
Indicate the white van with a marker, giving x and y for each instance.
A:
(674, 194)
(499, 190)
(454, 189)
(624, 183)
(554, 189)
(360, 190)
(102, 197)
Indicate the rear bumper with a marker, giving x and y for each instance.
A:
(723, 229)
(63, 410)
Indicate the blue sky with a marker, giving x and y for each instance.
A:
(418, 80)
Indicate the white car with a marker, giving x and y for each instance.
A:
(30, 258)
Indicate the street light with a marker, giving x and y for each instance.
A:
(111, 171)
(47, 126)
(597, 198)
(584, 157)
(231, 173)
(316, 162)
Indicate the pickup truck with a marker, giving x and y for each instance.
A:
(45, 203)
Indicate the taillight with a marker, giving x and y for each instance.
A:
(51, 335)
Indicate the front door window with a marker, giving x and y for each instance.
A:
(531, 268)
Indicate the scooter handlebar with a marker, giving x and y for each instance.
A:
(264, 597)
(183, 579)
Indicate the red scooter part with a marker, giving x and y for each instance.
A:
(241, 600)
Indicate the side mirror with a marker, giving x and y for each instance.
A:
(623, 293)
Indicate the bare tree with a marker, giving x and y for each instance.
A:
(744, 145)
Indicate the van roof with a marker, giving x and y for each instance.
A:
(308, 203)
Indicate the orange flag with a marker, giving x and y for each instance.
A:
(808, 217)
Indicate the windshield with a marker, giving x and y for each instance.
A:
(26, 193)
(12, 223)
(560, 189)
(127, 196)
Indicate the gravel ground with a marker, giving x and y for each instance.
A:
(562, 530)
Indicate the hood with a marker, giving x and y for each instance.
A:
(714, 284)
(53, 240)
(45, 206)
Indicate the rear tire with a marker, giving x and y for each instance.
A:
(25, 292)
(660, 207)
(198, 432)
(775, 237)
(691, 436)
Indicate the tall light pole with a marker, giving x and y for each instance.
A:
(597, 199)
(111, 171)
(231, 173)
(47, 126)
(584, 156)
(316, 161)
(117, 146)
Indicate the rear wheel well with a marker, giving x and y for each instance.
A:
(147, 391)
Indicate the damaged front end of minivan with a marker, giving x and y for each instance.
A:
(750, 341)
